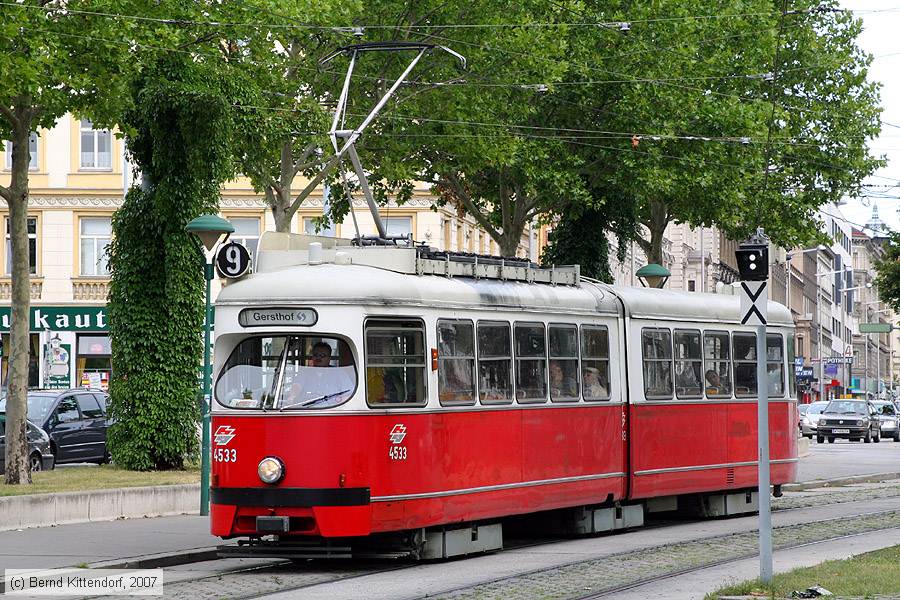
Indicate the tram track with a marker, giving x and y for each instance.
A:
(247, 582)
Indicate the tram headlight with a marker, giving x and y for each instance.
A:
(270, 470)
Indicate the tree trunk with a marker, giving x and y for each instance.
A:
(17, 467)
(659, 219)
(509, 242)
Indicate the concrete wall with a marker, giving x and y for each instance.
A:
(42, 510)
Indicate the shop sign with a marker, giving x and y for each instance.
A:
(805, 373)
(58, 366)
(61, 318)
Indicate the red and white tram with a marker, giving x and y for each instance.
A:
(370, 391)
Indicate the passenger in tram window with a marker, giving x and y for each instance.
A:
(593, 388)
(688, 377)
(713, 382)
(562, 385)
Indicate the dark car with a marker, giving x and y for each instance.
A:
(850, 419)
(39, 454)
(75, 420)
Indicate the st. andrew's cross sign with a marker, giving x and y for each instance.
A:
(754, 302)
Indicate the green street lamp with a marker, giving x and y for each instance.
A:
(653, 275)
(211, 229)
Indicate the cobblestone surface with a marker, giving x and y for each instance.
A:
(592, 577)
(579, 579)
(819, 496)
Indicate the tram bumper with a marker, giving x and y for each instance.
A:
(325, 512)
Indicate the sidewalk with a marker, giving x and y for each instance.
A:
(108, 541)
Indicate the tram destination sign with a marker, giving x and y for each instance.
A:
(266, 317)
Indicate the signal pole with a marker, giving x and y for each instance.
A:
(753, 264)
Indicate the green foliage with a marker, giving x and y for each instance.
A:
(581, 240)
(887, 269)
(181, 124)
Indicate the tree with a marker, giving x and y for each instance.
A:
(887, 270)
(285, 138)
(53, 60)
(467, 133)
(706, 126)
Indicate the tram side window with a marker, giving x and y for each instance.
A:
(494, 362)
(775, 365)
(595, 362)
(716, 352)
(744, 364)
(250, 376)
(792, 375)
(531, 362)
(395, 362)
(563, 363)
(657, 346)
(688, 364)
(456, 362)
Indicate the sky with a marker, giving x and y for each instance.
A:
(881, 38)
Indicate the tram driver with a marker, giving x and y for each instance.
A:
(320, 384)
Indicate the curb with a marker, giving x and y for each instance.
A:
(839, 481)
(64, 508)
(159, 561)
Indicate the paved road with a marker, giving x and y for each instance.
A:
(844, 459)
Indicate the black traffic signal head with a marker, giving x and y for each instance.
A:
(753, 261)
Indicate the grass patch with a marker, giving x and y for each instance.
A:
(78, 479)
(862, 576)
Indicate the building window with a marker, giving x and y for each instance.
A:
(96, 147)
(96, 234)
(32, 150)
(32, 247)
(246, 232)
(692, 285)
(93, 362)
(397, 226)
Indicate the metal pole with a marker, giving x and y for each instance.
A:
(205, 403)
(878, 366)
(765, 507)
(819, 320)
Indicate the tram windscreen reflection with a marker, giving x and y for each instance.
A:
(287, 372)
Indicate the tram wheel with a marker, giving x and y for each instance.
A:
(831, 440)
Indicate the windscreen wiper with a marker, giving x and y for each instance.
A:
(315, 400)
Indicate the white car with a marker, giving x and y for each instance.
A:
(809, 420)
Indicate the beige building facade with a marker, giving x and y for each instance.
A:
(78, 176)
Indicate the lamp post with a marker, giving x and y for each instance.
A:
(211, 229)
(653, 275)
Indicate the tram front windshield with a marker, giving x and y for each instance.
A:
(287, 373)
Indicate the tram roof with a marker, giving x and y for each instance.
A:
(648, 303)
(330, 283)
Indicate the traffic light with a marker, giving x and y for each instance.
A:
(753, 261)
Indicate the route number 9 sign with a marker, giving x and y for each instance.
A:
(233, 260)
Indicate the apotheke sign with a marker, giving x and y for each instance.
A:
(61, 318)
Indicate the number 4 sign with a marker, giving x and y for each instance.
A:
(233, 260)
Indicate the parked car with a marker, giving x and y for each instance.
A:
(888, 415)
(809, 421)
(850, 419)
(75, 420)
(39, 454)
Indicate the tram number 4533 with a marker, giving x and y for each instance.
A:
(397, 452)
(226, 455)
